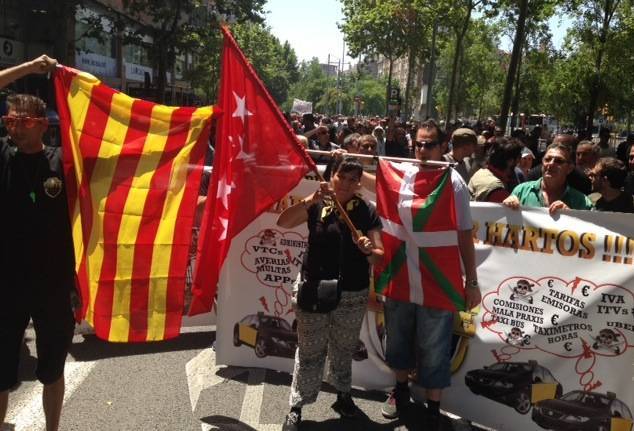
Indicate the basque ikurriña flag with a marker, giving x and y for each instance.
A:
(258, 161)
(420, 236)
(133, 171)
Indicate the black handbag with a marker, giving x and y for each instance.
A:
(318, 296)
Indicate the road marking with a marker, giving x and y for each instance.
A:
(26, 413)
(202, 374)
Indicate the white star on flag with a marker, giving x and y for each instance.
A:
(241, 108)
(243, 155)
(224, 222)
(224, 189)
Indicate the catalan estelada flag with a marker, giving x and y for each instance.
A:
(132, 170)
(420, 237)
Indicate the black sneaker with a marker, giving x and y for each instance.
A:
(437, 422)
(395, 403)
(292, 421)
(432, 422)
(345, 406)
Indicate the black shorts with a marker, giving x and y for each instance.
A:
(54, 327)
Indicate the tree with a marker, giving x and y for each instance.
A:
(597, 26)
(461, 12)
(513, 64)
(376, 28)
(276, 64)
(371, 91)
(481, 72)
(525, 15)
(180, 26)
(311, 85)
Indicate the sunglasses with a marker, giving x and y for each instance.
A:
(28, 122)
(426, 144)
(556, 160)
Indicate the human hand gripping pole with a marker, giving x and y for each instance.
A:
(324, 190)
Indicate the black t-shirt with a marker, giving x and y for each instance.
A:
(329, 241)
(624, 203)
(36, 250)
(394, 148)
(629, 183)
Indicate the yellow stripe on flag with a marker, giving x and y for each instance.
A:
(130, 223)
(164, 237)
(100, 184)
(78, 103)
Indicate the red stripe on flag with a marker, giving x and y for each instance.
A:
(151, 219)
(88, 147)
(182, 239)
(397, 289)
(448, 260)
(122, 179)
(262, 122)
(426, 182)
(389, 189)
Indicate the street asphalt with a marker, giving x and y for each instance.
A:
(176, 385)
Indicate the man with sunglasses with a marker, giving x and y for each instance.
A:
(551, 190)
(36, 250)
(419, 337)
(319, 139)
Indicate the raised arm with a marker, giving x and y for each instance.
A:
(41, 64)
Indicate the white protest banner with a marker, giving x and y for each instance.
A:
(302, 106)
(554, 332)
(556, 323)
(255, 318)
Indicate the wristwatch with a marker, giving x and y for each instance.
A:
(472, 284)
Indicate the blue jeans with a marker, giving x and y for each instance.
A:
(419, 337)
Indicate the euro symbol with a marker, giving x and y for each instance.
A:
(567, 346)
(554, 319)
(550, 283)
(585, 289)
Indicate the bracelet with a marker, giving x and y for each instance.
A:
(472, 284)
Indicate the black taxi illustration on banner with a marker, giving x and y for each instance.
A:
(268, 335)
(516, 384)
(583, 411)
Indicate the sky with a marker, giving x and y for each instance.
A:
(311, 28)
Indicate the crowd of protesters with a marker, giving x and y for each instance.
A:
(493, 164)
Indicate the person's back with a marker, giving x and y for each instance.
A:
(464, 142)
(493, 183)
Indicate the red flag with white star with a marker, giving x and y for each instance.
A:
(258, 161)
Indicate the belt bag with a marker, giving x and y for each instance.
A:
(318, 296)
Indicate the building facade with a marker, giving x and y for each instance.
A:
(400, 70)
(29, 28)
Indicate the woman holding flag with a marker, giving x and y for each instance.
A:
(336, 256)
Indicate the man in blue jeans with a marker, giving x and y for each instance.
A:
(419, 337)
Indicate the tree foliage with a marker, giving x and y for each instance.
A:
(387, 28)
(315, 86)
(481, 73)
(184, 26)
(275, 63)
